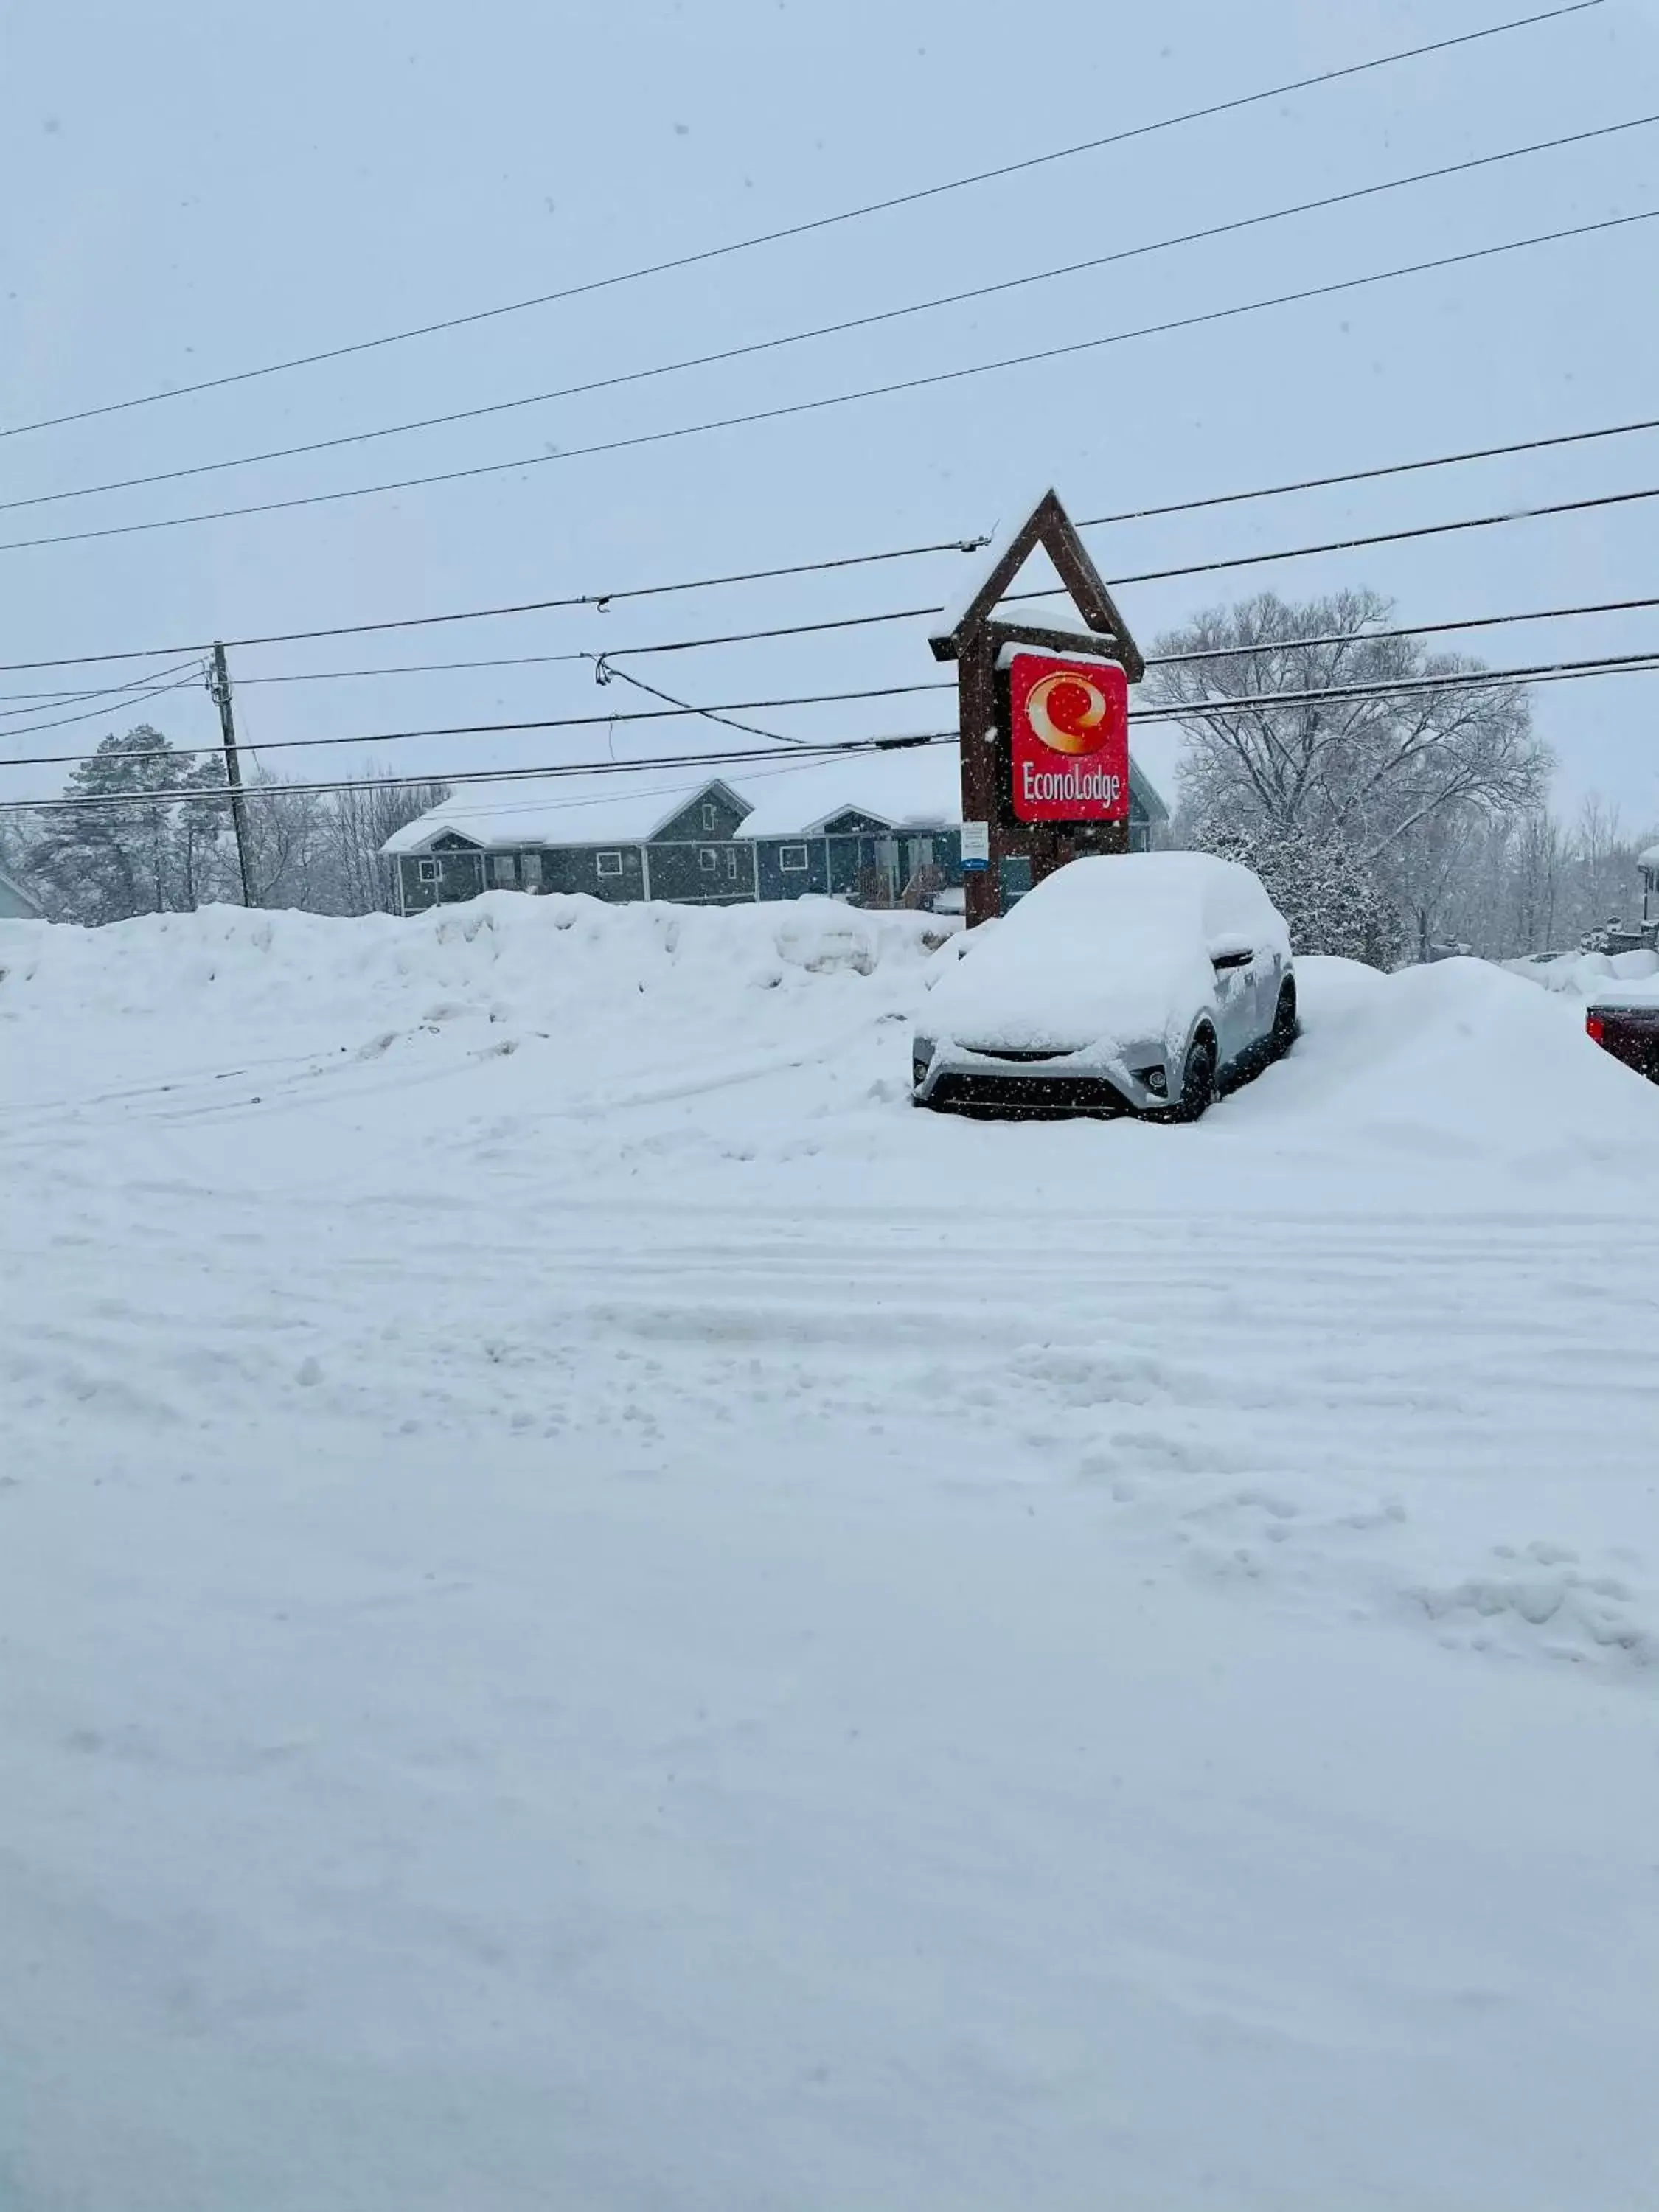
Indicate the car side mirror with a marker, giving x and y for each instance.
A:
(1230, 952)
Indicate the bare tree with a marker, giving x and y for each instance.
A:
(1369, 768)
(359, 821)
(1401, 777)
(1536, 859)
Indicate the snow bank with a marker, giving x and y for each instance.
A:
(633, 1017)
(542, 957)
(1455, 1063)
(1585, 975)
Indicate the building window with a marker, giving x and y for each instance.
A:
(530, 870)
(707, 859)
(710, 820)
(431, 871)
(501, 867)
(731, 862)
(610, 864)
(791, 858)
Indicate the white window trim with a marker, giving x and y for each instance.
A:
(710, 818)
(609, 864)
(429, 871)
(708, 859)
(791, 867)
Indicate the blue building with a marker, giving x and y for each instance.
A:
(880, 829)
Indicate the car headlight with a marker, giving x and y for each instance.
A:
(922, 1056)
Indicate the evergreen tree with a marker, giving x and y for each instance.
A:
(142, 851)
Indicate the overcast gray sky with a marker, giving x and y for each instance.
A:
(187, 190)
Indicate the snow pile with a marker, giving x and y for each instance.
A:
(544, 957)
(1587, 975)
(1455, 1068)
(692, 1040)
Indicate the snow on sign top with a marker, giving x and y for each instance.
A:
(1649, 859)
(1046, 528)
(955, 611)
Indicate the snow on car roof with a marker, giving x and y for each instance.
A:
(1150, 883)
(1115, 946)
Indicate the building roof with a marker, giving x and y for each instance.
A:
(598, 809)
(921, 785)
(1649, 859)
(917, 787)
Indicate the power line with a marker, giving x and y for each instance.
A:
(1165, 575)
(723, 714)
(120, 703)
(1406, 629)
(670, 713)
(900, 385)
(1153, 575)
(115, 693)
(803, 229)
(1461, 679)
(1367, 475)
(795, 629)
(1380, 537)
(826, 330)
(1471, 679)
(839, 747)
(606, 674)
(1629, 665)
(599, 601)
(419, 668)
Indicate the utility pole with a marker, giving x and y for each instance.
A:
(219, 690)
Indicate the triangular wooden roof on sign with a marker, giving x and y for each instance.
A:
(1050, 527)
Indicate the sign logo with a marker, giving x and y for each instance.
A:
(1069, 722)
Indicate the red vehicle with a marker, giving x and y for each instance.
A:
(1629, 1031)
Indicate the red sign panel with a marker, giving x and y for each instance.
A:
(1069, 721)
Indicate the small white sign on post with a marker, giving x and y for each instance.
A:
(975, 844)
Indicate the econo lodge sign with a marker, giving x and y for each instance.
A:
(1069, 726)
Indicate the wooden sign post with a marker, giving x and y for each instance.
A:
(1043, 726)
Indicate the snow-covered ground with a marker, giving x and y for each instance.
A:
(597, 1614)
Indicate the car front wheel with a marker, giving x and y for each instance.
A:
(1197, 1082)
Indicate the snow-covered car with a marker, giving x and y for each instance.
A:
(1132, 984)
